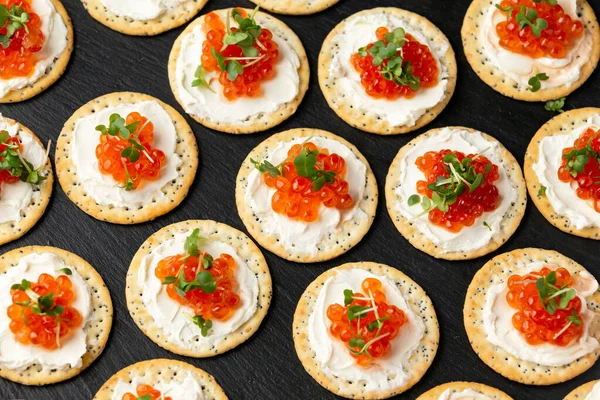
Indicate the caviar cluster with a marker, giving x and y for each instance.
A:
(5, 175)
(145, 390)
(246, 84)
(423, 64)
(131, 174)
(468, 206)
(19, 58)
(588, 180)
(366, 324)
(532, 320)
(32, 323)
(296, 196)
(554, 41)
(219, 304)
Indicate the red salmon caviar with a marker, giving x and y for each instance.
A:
(19, 58)
(37, 329)
(218, 305)
(469, 206)
(247, 84)
(377, 341)
(148, 166)
(554, 41)
(588, 181)
(422, 61)
(295, 196)
(532, 321)
(5, 175)
(143, 390)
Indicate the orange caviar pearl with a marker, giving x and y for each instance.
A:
(469, 206)
(19, 58)
(5, 175)
(147, 167)
(422, 61)
(219, 305)
(41, 330)
(532, 321)
(588, 181)
(295, 196)
(246, 84)
(143, 390)
(345, 330)
(554, 41)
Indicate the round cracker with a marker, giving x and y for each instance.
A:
(12, 230)
(496, 79)
(175, 191)
(497, 270)
(369, 121)
(246, 250)
(333, 244)
(262, 121)
(419, 361)
(97, 327)
(436, 392)
(510, 221)
(561, 124)
(295, 7)
(581, 392)
(171, 18)
(53, 72)
(162, 369)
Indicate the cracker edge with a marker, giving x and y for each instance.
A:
(205, 379)
(307, 356)
(36, 211)
(250, 253)
(54, 71)
(101, 303)
(187, 149)
(559, 125)
(494, 78)
(510, 221)
(292, 8)
(370, 122)
(168, 20)
(496, 358)
(580, 392)
(262, 121)
(492, 392)
(368, 204)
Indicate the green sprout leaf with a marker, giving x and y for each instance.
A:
(556, 105)
(535, 82)
(348, 295)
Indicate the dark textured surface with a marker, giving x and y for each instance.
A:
(266, 367)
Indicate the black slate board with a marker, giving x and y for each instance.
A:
(266, 367)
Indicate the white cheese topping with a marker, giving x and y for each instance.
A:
(384, 373)
(205, 103)
(469, 238)
(15, 198)
(102, 187)
(595, 393)
(55, 32)
(498, 327)
(299, 236)
(16, 356)
(561, 71)
(562, 195)
(359, 32)
(171, 316)
(189, 389)
(467, 394)
(142, 10)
